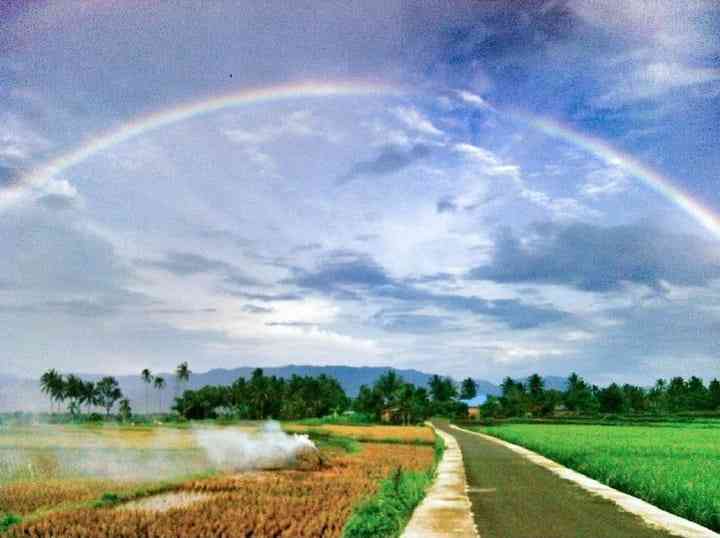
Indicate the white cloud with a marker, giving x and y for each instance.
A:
(415, 120)
(666, 23)
(300, 123)
(474, 99)
(492, 165)
(564, 208)
(604, 182)
(646, 81)
(18, 141)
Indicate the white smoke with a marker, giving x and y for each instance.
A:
(268, 448)
(59, 452)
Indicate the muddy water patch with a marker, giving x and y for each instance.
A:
(165, 501)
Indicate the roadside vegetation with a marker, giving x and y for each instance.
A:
(389, 510)
(675, 467)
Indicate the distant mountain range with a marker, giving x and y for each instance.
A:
(25, 395)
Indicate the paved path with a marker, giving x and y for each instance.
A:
(445, 510)
(512, 497)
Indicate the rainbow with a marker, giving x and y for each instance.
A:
(154, 121)
(633, 167)
(157, 120)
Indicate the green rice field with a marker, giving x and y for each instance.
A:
(674, 467)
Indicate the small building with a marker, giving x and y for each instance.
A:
(474, 405)
(389, 414)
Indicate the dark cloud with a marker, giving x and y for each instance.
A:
(515, 314)
(390, 160)
(265, 297)
(661, 338)
(359, 276)
(56, 202)
(240, 279)
(341, 271)
(366, 237)
(408, 322)
(189, 263)
(602, 259)
(436, 277)
(307, 247)
(8, 176)
(446, 205)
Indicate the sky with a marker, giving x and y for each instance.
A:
(469, 188)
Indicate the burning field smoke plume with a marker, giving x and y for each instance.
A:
(163, 453)
(268, 448)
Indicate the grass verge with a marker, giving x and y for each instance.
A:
(386, 514)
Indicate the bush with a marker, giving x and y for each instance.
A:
(8, 520)
(108, 499)
(348, 419)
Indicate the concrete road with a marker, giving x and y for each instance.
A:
(512, 497)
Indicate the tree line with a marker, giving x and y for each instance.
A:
(261, 397)
(75, 392)
(531, 398)
(391, 399)
(72, 389)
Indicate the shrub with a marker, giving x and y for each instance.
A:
(7, 521)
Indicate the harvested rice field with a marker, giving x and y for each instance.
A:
(78, 482)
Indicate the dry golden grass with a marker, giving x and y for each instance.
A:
(57, 436)
(51, 467)
(400, 434)
(27, 497)
(291, 503)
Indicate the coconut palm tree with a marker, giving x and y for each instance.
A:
(89, 394)
(74, 389)
(108, 392)
(159, 384)
(49, 382)
(182, 376)
(59, 390)
(147, 378)
(125, 410)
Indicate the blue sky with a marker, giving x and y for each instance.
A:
(435, 229)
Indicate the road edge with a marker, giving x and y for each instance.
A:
(651, 514)
(446, 500)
